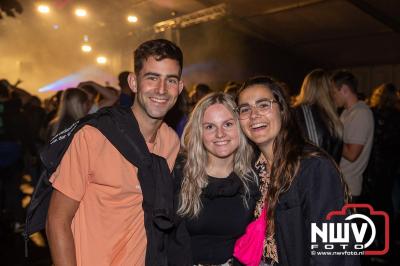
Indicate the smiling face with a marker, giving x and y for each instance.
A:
(157, 87)
(260, 127)
(220, 133)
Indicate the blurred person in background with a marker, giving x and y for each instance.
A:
(113, 90)
(316, 114)
(198, 92)
(20, 93)
(99, 96)
(177, 117)
(73, 106)
(16, 143)
(37, 124)
(232, 88)
(383, 172)
(51, 106)
(358, 130)
(37, 117)
(127, 96)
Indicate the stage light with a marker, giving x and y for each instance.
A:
(86, 48)
(197, 17)
(45, 9)
(132, 19)
(80, 12)
(101, 60)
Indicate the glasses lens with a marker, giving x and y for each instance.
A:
(244, 111)
(261, 107)
(264, 105)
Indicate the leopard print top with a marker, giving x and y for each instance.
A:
(270, 251)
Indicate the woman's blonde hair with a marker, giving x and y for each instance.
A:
(73, 106)
(317, 89)
(194, 171)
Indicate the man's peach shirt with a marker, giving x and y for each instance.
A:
(108, 227)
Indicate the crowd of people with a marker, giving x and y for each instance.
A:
(249, 155)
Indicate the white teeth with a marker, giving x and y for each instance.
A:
(258, 125)
(158, 100)
(221, 142)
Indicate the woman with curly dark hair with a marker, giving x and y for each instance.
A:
(299, 182)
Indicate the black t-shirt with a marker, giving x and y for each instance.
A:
(222, 219)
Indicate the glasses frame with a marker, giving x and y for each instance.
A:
(254, 106)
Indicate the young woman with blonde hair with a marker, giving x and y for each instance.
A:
(218, 188)
(316, 113)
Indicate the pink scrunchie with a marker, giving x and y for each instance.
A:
(249, 247)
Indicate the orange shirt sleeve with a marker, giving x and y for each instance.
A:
(72, 175)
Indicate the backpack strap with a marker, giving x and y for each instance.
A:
(121, 128)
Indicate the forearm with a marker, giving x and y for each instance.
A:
(351, 152)
(61, 243)
(347, 154)
(107, 94)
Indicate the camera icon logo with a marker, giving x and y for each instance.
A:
(350, 234)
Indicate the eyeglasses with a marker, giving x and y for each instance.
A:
(262, 106)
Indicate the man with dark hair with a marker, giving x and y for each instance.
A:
(358, 130)
(159, 50)
(95, 215)
(344, 77)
